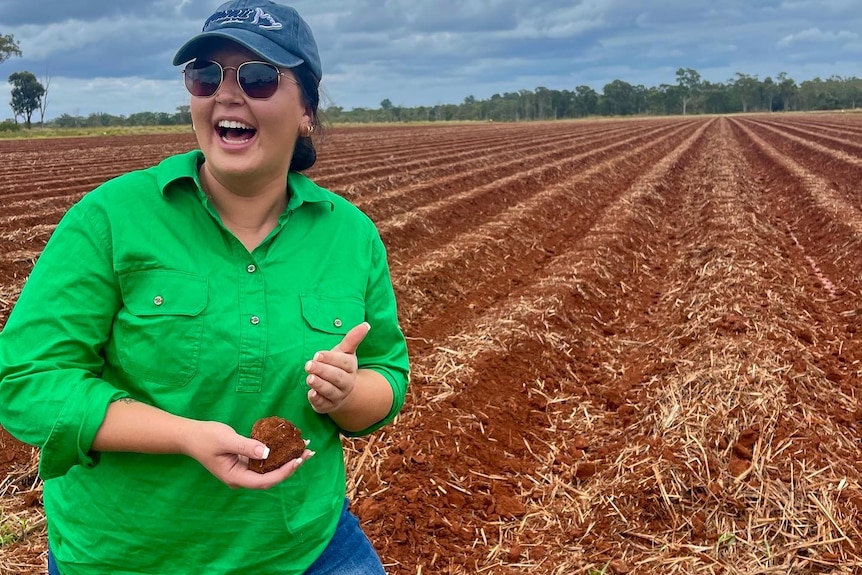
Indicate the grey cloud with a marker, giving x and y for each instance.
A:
(21, 12)
(423, 17)
(92, 39)
(453, 32)
(817, 36)
(429, 52)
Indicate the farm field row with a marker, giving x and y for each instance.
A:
(635, 344)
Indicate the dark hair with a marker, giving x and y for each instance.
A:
(304, 154)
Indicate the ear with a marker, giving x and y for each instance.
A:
(308, 116)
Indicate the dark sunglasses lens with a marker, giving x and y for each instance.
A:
(202, 78)
(258, 80)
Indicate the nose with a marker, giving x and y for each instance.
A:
(229, 89)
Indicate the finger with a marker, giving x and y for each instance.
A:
(353, 338)
(323, 376)
(251, 448)
(326, 391)
(345, 362)
(319, 403)
(291, 466)
(253, 480)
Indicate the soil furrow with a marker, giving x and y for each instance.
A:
(425, 225)
(824, 146)
(366, 184)
(503, 252)
(377, 164)
(821, 235)
(849, 130)
(343, 147)
(714, 394)
(831, 141)
(833, 202)
(404, 201)
(494, 360)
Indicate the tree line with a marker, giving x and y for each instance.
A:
(689, 95)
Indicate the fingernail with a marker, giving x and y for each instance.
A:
(262, 452)
(311, 454)
(307, 366)
(307, 441)
(316, 356)
(298, 460)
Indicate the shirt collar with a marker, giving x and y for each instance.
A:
(303, 190)
(181, 167)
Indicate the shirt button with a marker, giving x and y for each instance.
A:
(337, 322)
(158, 300)
(254, 320)
(251, 268)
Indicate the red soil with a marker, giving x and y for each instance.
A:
(635, 343)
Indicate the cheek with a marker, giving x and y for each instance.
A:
(198, 108)
(200, 118)
(285, 121)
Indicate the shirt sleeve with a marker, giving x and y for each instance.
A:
(384, 349)
(51, 393)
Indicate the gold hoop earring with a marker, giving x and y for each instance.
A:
(307, 130)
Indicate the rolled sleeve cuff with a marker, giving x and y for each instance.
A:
(72, 436)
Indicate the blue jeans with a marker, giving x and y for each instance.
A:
(349, 553)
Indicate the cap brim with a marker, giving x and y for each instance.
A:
(264, 48)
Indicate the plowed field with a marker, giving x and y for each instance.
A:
(636, 344)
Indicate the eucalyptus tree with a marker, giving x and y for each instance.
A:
(690, 84)
(27, 94)
(8, 47)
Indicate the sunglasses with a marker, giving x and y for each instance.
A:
(259, 80)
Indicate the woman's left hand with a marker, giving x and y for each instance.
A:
(332, 374)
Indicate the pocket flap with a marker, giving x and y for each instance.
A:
(332, 314)
(164, 292)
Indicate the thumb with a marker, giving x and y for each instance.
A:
(253, 449)
(353, 338)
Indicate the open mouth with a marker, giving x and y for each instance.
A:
(233, 132)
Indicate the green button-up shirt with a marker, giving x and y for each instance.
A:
(142, 292)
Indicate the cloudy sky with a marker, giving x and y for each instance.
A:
(115, 56)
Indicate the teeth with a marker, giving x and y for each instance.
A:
(231, 124)
(235, 141)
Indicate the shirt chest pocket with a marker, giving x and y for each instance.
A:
(327, 320)
(159, 330)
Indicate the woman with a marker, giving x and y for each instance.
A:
(174, 306)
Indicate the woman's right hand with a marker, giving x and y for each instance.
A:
(141, 428)
(225, 454)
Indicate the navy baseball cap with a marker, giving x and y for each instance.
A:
(275, 32)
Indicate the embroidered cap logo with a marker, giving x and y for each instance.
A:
(254, 17)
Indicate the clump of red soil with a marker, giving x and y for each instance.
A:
(283, 439)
